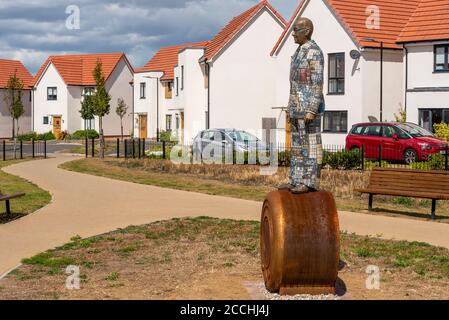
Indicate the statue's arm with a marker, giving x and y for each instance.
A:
(316, 63)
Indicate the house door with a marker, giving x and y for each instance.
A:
(57, 126)
(288, 132)
(268, 126)
(143, 123)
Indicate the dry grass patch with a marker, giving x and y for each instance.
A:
(205, 258)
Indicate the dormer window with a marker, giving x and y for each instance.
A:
(88, 91)
(52, 93)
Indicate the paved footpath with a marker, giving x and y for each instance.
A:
(87, 205)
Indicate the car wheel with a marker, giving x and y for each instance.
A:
(410, 156)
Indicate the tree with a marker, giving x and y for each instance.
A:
(13, 100)
(121, 111)
(100, 102)
(87, 110)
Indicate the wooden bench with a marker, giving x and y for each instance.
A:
(432, 185)
(7, 198)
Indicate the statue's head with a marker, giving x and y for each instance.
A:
(302, 30)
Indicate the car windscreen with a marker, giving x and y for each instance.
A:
(415, 130)
(241, 136)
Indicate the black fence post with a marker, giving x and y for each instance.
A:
(247, 152)
(32, 148)
(118, 148)
(380, 156)
(45, 149)
(257, 152)
(4, 150)
(139, 149)
(134, 149)
(164, 155)
(446, 165)
(21, 149)
(93, 147)
(126, 149)
(363, 157)
(87, 148)
(143, 147)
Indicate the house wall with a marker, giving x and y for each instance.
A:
(74, 98)
(43, 107)
(148, 105)
(393, 84)
(192, 97)
(242, 78)
(118, 86)
(362, 76)
(421, 76)
(5, 117)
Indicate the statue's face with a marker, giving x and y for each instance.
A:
(301, 33)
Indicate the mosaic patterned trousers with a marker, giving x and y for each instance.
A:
(307, 153)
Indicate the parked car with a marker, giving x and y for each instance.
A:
(406, 142)
(239, 140)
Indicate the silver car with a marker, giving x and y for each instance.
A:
(238, 140)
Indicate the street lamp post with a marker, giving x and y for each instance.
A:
(381, 74)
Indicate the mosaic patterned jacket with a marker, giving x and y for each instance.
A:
(306, 80)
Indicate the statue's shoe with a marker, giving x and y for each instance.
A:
(296, 189)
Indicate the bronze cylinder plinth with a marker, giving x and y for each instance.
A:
(300, 243)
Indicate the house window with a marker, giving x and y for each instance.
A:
(88, 91)
(45, 120)
(143, 87)
(429, 117)
(442, 58)
(168, 122)
(168, 90)
(89, 124)
(52, 93)
(31, 95)
(177, 122)
(336, 73)
(177, 86)
(182, 77)
(335, 122)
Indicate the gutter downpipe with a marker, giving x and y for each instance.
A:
(406, 77)
(208, 95)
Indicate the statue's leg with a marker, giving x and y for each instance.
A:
(314, 160)
(299, 152)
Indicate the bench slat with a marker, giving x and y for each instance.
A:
(407, 185)
(424, 195)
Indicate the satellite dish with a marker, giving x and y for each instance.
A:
(355, 54)
(373, 119)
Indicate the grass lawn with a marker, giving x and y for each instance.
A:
(192, 258)
(216, 184)
(34, 199)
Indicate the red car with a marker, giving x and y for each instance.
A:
(406, 142)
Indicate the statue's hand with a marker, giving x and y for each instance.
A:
(309, 118)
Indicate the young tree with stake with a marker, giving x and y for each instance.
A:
(121, 111)
(87, 110)
(100, 102)
(13, 100)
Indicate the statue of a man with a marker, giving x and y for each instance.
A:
(305, 107)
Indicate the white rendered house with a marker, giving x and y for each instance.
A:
(226, 82)
(350, 34)
(426, 43)
(61, 83)
(7, 69)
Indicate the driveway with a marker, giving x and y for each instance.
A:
(88, 205)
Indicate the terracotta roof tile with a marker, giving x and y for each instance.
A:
(394, 15)
(430, 21)
(167, 58)
(7, 69)
(78, 69)
(233, 27)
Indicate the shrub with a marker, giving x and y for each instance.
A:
(81, 134)
(27, 136)
(46, 136)
(442, 131)
(345, 160)
(64, 135)
(435, 162)
(168, 136)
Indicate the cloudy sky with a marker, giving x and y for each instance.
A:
(30, 30)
